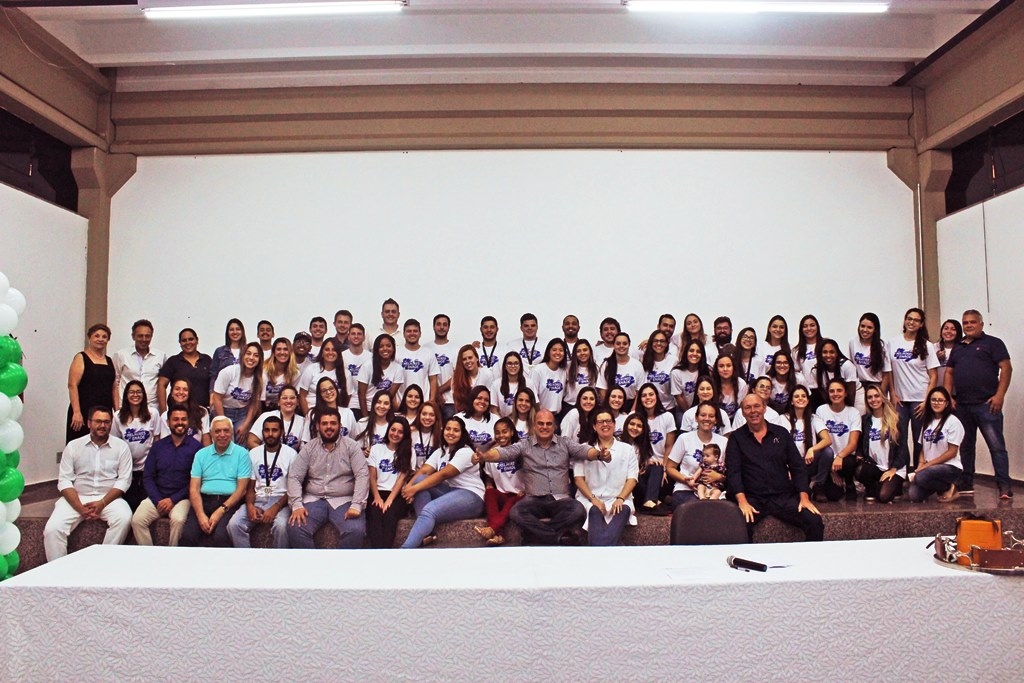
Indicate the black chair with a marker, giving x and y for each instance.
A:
(708, 522)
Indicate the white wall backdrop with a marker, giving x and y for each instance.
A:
(43, 254)
(979, 267)
(197, 240)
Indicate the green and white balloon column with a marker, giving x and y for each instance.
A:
(13, 381)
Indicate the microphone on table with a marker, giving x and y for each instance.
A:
(745, 565)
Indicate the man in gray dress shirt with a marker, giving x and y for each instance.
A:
(545, 461)
(328, 481)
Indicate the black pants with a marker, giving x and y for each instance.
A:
(884, 491)
(193, 536)
(382, 526)
(562, 515)
(784, 507)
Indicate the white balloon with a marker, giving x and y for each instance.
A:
(5, 408)
(3, 514)
(17, 406)
(16, 300)
(10, 537)
(8, 319)
(11, 437)
(5, 284)
(13, 509)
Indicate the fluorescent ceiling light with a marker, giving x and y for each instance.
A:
(184, 9)
(745, 7)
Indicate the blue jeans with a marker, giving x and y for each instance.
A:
(440, 504)
(934, 479)
(318, 513)
(240, 526)
(237, 417)
(682, 498)
(978, 416)
(604, 533)
(649, 485)
(905, 411)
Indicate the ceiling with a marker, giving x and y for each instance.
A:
(507, 41)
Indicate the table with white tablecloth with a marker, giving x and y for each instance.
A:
(843, 609)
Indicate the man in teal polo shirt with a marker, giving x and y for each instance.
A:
(220, 475)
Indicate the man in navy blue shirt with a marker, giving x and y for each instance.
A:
(166, 477)
(765, 473)
(977, 376)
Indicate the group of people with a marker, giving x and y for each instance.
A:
(556, 436)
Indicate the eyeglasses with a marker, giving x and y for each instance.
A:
(135, 392)
(913, 320)
(604, 422)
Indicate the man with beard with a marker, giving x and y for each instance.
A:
(266, 498)
(722, 338)
(328, 481)
(166, 478)
(95, 471)
(570, 333)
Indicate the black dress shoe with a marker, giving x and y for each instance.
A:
(571, 537)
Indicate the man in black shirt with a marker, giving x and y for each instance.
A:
(765, 473)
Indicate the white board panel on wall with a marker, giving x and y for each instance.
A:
(962, 269)
(629, 234)
(43, 255)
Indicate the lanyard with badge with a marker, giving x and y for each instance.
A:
(529, 353)
(268, 490)
(490, 358)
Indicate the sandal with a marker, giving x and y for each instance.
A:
(950, 495)
(486, 532)
(427, 540)
(497, 539)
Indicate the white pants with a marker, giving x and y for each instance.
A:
(147, 514)
(64, 519)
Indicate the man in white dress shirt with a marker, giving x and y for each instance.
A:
(95, 471)
(142, 363)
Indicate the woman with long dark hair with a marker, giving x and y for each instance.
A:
(940, 467)
(729, 387)
(657, 365)
(390, 465)
(231, 352)
(503, 486)
(503, 390)
(785, 378)
(844, 425)
(382, 373)
(706, 391)
(870, 356)
(140, 429)
(686, 455)
(693, 363)
(776, 338)
(447, 488)
(621, 369)
(576, 425)
(328, 364)
(236, 394)
(548, 378)
(198, 416)
(915, 373)
(748, 360)
(426, 433)
(582, 371)
(329, 398)
(950, 335)
(806, 351)
(831, 364)
(477, 417)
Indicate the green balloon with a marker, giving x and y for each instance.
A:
(13, 379)
(13, 459)
(10, 351)
(13, 560)
(12, 483)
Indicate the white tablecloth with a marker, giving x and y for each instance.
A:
(849, 609)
